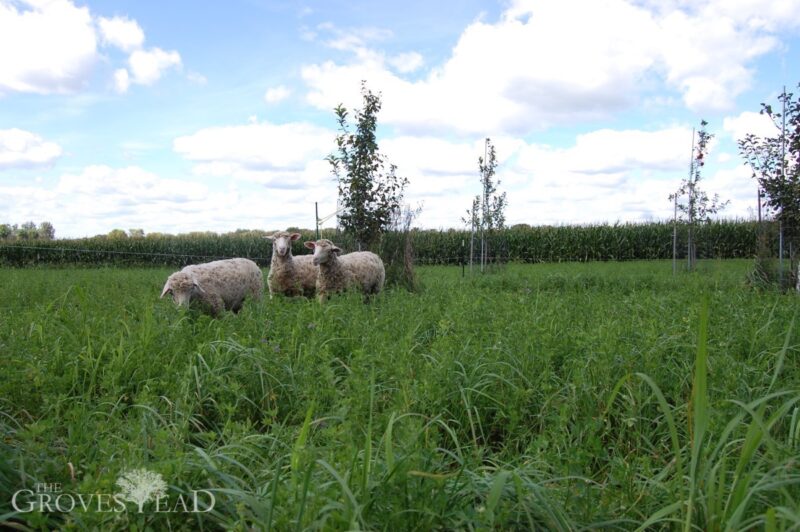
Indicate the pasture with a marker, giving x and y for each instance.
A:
(557, 396)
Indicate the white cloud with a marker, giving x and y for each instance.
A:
(100, 198)
(530, 69)
(256, 146)
(119, 184)
(48, 47)
(122, 80)
(610, 151)
(407, 62)
(121, 32)
(51, 47)
(749, 122)
(147, 66)
(196, 78)
(20, 148)
(604, 176)
(276, 94)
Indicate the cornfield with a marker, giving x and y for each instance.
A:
(645, 241)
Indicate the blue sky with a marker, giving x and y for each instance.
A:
(184, 116)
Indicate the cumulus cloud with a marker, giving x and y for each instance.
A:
(529, 70)
(20, 149)
(55, 48)
(256, 146)
(129, 183)
(100, 198)
(610, 151)
(407, 62)
(122, 80)
(276, 94)
(48, 47)
(121, 32)
(603, 176)
(147, 66)
(749, 122)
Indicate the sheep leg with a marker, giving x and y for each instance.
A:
(217, 305)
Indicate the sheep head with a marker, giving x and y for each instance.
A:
(282, 242)
(324, 249)
(182, 287)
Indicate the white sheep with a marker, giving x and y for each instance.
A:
(288, 275)
(362, 269)
(216, 285)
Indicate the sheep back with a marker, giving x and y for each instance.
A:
(366, 271)
(363, 270)
(227, 282)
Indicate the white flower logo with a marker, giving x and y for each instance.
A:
(141, 486)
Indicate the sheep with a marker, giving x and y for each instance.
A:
(361, 269)
(288, 275)
(216, 285)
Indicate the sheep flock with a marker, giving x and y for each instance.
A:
(226, 284)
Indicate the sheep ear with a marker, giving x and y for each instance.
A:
(334, 249)
(295, 236)
(309, 244)
(197, 285)
(167, 288)
(268, 237)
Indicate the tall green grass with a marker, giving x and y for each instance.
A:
(555, 397)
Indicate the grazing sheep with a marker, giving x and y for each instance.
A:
(288, 275)
(216, 285)
(361, 269)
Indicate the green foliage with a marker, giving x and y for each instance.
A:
(370, 196)
(117, 234)
(557, 397)
(27, 231)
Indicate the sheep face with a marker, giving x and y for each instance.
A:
(182, 287)
(324, 249)
(282, 242)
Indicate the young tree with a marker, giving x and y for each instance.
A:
(693, 202)
(370, 191)
(487, 213)
(6, 232)
(775, 163)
